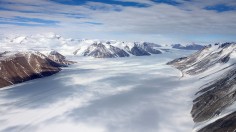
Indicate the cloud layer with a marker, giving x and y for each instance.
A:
(103, 95)
(154, 20)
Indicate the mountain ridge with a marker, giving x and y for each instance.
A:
(17, 67)
(215, 97)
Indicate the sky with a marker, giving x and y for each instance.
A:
(160, 21)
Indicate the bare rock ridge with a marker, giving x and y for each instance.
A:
(59, 58)
(225, 124)
(215, 96)
(204, 59)
(17, 67)
(101, 51)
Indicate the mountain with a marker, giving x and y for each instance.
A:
(17, 67)
(112, 49)
(213, 107)
(48, 42)
(59, 58)
(100, 50)
(188, 47)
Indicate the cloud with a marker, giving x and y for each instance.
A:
(122, 95)
(24, 21)
(165, 18)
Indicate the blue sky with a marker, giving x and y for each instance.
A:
(160, 21)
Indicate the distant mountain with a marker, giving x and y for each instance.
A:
(45, 43)
(188, 47)
(17, 67)
(112, 49)
(100, 50)
(213, 106)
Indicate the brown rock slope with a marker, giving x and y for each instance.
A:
(59, 58)
(17, 67)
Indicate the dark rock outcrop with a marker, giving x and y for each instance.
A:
(151, 48)
(118, 52)
(59, 58)
(137, 51)
(225, 124)
(215, 97)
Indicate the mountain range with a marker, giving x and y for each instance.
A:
(45, 43)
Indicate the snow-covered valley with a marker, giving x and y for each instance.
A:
(108, 85)
(103, 95)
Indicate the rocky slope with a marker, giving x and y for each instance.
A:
(17, 67)
(215, 98)
(225, 124)
(59, 58)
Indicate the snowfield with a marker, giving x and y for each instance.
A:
(133, 94)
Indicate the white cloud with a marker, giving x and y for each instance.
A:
(189, 18)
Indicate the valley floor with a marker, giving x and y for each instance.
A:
(133, 94)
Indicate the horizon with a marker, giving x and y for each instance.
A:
(14, 36)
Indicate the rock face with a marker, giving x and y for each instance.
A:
(118, 52)
(98, 51)
(226, 124)
(213, 99)
(112, 50)
(150, 48)
(138, 51)
(187, 47)
(203, 59)
(17, 67)
(215, 96)
(59, 58)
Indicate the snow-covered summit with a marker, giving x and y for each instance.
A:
(111, 49)
(47, 42)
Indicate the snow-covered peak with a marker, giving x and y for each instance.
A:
(47, 42)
